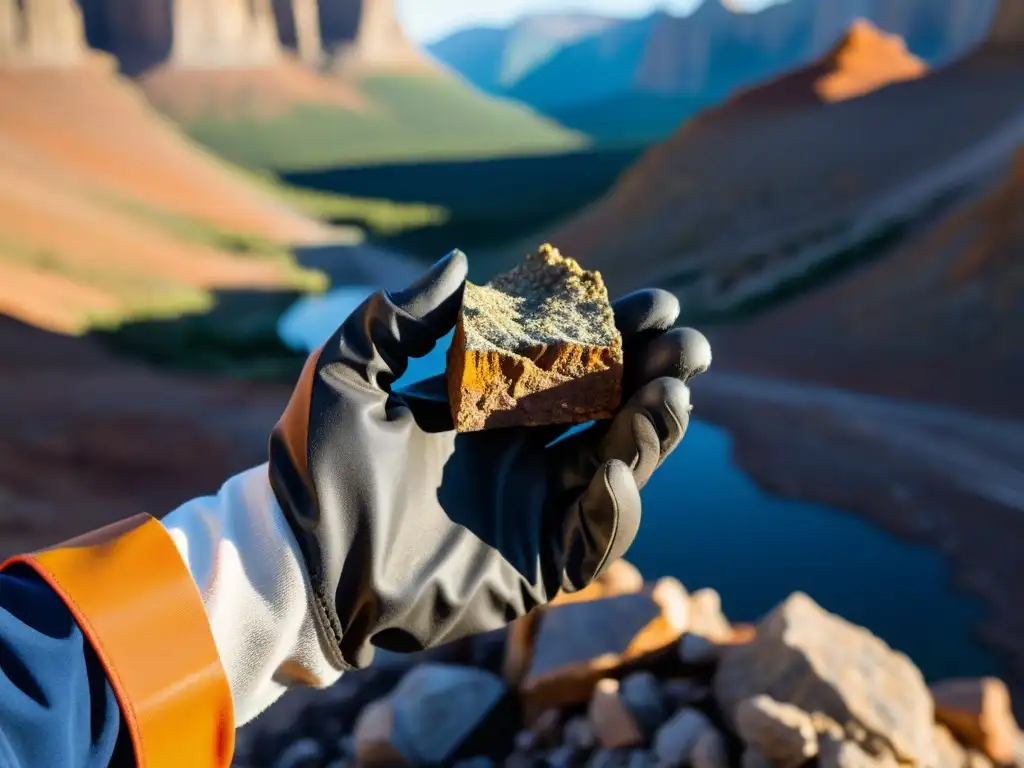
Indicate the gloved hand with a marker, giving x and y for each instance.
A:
(414, 535)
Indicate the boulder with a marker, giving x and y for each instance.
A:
(949, 753)
(978, 713)
(609, 758)
(706, 617)
(579, 733)
(841, 753)
(437, 715)
(641, 694)
(577, 644)
(564, 756)
(676, 740)
(710, 751)
(611, 719)
(818, 662)
(374, 735)
(304, 753)
(680, 693)
(781, 732)
(619, 578)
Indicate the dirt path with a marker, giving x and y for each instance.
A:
(934, 475)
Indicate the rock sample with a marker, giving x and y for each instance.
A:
(48, 33)
(537, 345)
(805, 656)
(978, 712)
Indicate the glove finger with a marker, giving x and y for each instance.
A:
(645, 313)
(641, 435)
(601, 525)
(377, 339)
(680, 353)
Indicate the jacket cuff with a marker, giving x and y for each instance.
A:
(134, 598)
(246, 563)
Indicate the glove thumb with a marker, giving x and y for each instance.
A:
(601, 524)
(378, 338)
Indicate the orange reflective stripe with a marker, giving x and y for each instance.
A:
(134, 598)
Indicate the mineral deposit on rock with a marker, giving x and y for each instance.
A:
(536, 345)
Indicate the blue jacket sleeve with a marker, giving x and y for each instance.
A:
(57, 708)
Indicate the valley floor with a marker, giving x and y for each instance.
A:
(933, 475)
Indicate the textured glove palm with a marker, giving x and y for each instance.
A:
(414, 535)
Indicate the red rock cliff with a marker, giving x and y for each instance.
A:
(365, 36)
(41, 32)
(298, 28)
(185, 33)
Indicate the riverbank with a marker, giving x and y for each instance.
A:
(944, 478)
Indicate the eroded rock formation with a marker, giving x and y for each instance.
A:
(298, 28)
(41, 33)
(186, 33)
(365, 36)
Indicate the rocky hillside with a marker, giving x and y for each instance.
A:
(735, 205)
(863, 60)
(41, 33)
(956, 283)
(106, 211)
(629, 674)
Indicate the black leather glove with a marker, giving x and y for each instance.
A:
(415, 535)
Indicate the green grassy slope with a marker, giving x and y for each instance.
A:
(412, 118)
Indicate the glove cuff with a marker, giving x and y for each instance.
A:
(255, 590)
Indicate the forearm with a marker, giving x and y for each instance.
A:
(56, 704)
(155, 639)
(245, 561)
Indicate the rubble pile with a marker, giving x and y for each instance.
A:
(628, 674)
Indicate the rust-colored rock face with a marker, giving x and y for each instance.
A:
(537, 345)
(863, 60)
(41, 32)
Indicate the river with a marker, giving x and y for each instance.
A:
(706, 523)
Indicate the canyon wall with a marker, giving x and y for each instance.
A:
(41, 33)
